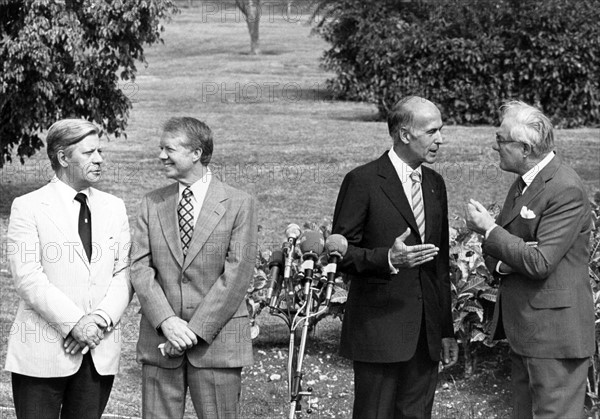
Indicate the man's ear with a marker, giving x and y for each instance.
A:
(62, 158)
(404, 135)
(527, 150)
(197, 155)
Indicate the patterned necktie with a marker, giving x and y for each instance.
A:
(185, 210)
(417, 203)
(85, 225)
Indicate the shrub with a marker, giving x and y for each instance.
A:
(468, 57)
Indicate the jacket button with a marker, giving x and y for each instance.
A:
(419, 297)
(184, 280)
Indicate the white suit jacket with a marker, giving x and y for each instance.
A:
(58, 285)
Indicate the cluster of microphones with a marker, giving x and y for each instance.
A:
(316, 266)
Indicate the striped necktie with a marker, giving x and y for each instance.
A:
(185, 210)
(417, 203)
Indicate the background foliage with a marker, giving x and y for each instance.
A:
(468, 56)
(66, 59)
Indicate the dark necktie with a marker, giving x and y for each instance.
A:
(185, 211)
(520, 186)
(85, 225)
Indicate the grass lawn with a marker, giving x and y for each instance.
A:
(278, 137)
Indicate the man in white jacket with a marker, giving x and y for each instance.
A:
(67, 246)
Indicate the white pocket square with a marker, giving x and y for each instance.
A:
(527, 213)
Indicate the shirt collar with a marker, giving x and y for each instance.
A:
(533, 172)
(67, 193)
(199, 187)
(404, 170)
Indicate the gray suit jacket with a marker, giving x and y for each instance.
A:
(208, 287)
(545, 307)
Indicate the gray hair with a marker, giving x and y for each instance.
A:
(532, 126)
(401, 116)
(65, 133)
(197, 132)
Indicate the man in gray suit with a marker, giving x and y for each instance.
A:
(539, 249)
(191, 262)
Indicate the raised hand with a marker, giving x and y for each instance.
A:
(478, 218)
(178, 333)
(403, 256)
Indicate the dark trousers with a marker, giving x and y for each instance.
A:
(399, 390)
(82, 395)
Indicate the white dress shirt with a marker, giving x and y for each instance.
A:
(199, 189)
(403, 171)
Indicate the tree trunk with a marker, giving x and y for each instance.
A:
(251, 11)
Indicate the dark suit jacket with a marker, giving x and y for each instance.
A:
(384, 312)
(546, 304)
(208, 287)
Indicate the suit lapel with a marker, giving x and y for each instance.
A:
(392, 188)
(167, 216)
(101, 217)
(57, 212)
(509, 211)
(210, 214)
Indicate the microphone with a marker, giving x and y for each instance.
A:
(311, 246)
(292, 232)
(275, 265)
(336, 247)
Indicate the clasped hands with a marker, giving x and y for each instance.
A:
(403, 256)
(179, 336)
(86, 334)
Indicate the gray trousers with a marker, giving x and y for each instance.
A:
(548, 388)
(215, 392)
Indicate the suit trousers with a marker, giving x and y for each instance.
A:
(82, 395)
(548, 388)
(398, 390)
(215, 392)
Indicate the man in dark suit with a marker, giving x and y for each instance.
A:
(398, 319)
(539, 249)
(191, 263)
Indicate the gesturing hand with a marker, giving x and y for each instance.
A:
(404, 256)
(178, 333)
(478, 218)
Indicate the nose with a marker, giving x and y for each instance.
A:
(97, 157)
(438, 138)
(162, 155)
(495, 146)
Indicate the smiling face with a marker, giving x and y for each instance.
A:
(180, 162)
(422, 140)
(81, 163)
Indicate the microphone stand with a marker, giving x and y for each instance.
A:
(295, 372)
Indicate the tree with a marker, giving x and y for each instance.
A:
(251, 11)
(65, 59)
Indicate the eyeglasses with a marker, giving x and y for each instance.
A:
(499, 141)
